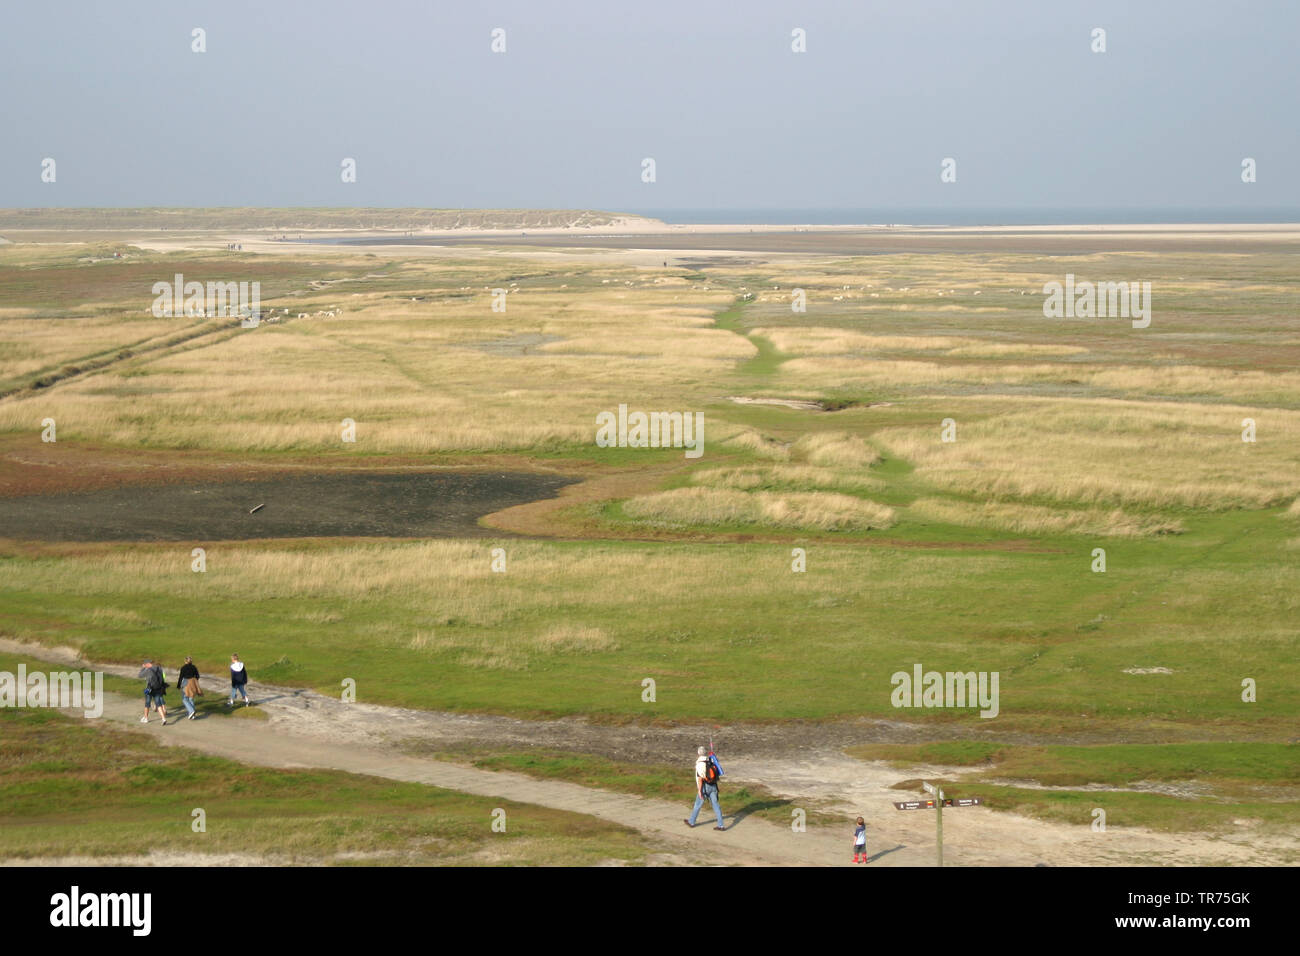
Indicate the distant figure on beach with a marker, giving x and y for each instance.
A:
(155, 690)
(238, 681)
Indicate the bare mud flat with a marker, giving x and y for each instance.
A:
(445, 504)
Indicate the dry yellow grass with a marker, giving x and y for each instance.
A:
(1015, 350)
(446, 579)
(836, 449)
(910, 375)
(794, 477)
(29, 345)
(1109, 452)
(819, 511)
(572, 637)
(1033, 519)
(1268, 388)
(452, 580)
(751, 440)
(446, 382)
(814, 341)
(1272, 387)
(583, 334)
(320, 617)
(508, 649)
(115, 616)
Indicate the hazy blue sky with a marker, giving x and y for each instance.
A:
(710, 90)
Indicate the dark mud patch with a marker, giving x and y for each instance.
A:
(441, 505)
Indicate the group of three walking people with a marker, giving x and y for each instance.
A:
(155, 687)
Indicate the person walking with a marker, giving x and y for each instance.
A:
(238, 681)
(860, 842)
(706, 788)
(189, 683)
(155, 690)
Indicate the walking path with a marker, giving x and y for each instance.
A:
(307, 729)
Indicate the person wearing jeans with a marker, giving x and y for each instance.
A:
(703, 791)
(238, 681)
(189, 690)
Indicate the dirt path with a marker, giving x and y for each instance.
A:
(307, 729)
(275, 743)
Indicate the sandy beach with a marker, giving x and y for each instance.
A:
(632, 236)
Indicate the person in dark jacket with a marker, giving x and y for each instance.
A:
(238, 681)
(155, 690)
(189, 690)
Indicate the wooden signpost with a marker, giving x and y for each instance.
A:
(937, 805)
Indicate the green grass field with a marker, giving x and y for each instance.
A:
(1206, 785)
(760, 643)
(73, 788)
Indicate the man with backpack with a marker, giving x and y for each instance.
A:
(707, 773)
(155, 690)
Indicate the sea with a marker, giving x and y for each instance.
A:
(1090, 215)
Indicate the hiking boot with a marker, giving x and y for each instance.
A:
(720, 828)
(689, 824)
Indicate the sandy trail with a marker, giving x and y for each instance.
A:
(307, 729)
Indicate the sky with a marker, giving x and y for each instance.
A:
(710, 90)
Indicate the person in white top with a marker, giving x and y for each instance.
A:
(704, 789)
